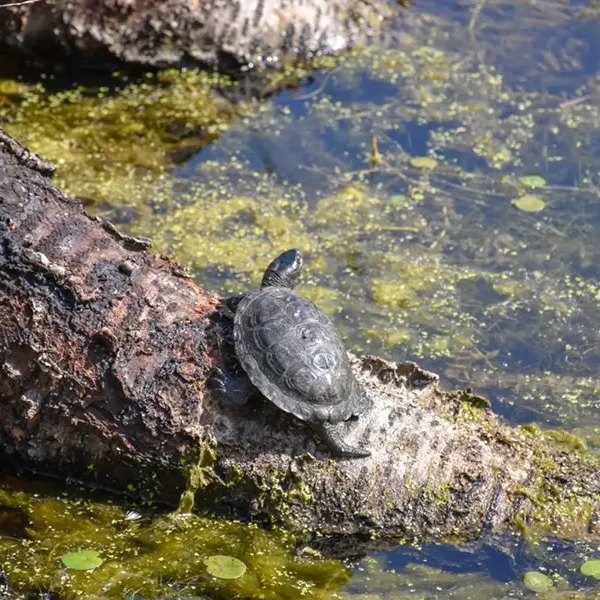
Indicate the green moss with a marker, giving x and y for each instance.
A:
(438, 346)
(281, 495)
(199, 475)
(442, 494)
(535, 495)
(564, 439)
(471, 407)
(560, 510)
(236, 476)
(532, 429)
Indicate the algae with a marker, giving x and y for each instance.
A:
(115, 142)
(200, 474)
(449, 274)
(153, 555)
(433, 264)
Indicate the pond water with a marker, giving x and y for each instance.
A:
(444, 186)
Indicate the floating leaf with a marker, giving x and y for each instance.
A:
(537, 582)
(591, 568)
(84, 560)
(533, 181)
(225, 567)
(529, 203)
(423, 162)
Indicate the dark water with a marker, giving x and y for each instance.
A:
(429, 263)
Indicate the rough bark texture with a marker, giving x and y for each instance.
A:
(104, 356)
(182, 32)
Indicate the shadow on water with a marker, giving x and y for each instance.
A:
(445, 190)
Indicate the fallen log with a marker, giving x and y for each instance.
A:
(219, 34)
(105, 351)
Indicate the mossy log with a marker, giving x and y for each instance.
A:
(153, 33)
(105, 351)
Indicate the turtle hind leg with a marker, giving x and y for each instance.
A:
(331, 437)
(232, 390)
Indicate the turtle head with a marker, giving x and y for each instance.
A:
(284, 271)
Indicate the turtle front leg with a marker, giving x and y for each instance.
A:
(232, 390)
(329, 434)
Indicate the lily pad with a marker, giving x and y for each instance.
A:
(83, 560)
(537, 582)
(424, 162)
(529, 203)
(591, 568)
(225, 567)
(533, 181)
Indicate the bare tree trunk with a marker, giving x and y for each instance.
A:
(218, 33)
(105, 352)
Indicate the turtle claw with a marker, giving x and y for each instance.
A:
(216, 381)
(330, 436)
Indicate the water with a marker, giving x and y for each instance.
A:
(509, 297)
(413, 260)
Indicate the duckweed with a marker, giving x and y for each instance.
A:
(433, 264)
(152, 556)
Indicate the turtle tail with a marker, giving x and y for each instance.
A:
(328, 433)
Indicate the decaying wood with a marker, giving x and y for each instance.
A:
(218, 33)
(105, 352)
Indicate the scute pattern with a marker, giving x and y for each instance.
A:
(292, 353)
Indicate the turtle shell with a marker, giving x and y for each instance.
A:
(292, 353)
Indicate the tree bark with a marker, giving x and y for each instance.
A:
(105, 351)
(218, 33)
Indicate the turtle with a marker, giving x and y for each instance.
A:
(291, 353)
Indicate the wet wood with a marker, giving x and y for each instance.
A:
(217, 33)
(105, 352)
